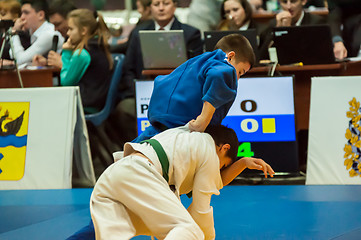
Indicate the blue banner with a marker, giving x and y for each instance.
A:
(268, 128)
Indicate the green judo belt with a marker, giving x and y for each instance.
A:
(162, 156)
(163, 159)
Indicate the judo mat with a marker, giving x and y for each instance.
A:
(240, 212)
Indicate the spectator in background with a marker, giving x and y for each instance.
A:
(87, 62)
(345, 21)
(34, 15)
(292, 14)
(11, 10)
(143, 7)
(310, 3)
(237, 15)
(58, 12)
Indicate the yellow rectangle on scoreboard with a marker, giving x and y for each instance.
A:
(269, 125)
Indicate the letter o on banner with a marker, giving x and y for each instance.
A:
(249, 122)
(244, 105)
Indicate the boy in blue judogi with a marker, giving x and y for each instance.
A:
(201, 90)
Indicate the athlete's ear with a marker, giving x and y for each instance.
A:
(224, 148)
(230, 55)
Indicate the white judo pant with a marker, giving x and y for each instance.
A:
(131, 198)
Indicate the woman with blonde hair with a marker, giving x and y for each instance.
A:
(86, 59)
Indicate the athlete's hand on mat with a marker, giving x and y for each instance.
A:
(258, 164)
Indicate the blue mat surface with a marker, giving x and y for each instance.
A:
(241, 212)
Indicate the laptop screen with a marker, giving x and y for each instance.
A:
(162, 49)
(310, 44)
(263, 118)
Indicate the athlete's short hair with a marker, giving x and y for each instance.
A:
(223, 135)
(240, 45)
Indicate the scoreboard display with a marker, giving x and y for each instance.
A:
(262, 115)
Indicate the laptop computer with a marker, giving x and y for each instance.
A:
(310, 44)
(212, 37)
(162, 49)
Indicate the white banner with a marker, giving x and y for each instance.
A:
(143, 91)
(271, 95)
(334, 131)
(37, 135)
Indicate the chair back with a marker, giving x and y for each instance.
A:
(99, 117)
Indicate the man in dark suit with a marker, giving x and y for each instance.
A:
(163, 19)
(346, 39)
(292, 14)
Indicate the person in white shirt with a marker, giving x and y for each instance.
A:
(134, 196)
(34, 14)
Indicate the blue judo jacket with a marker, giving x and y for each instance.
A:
(178, 97)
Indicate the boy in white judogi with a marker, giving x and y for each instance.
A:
(132, 197)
